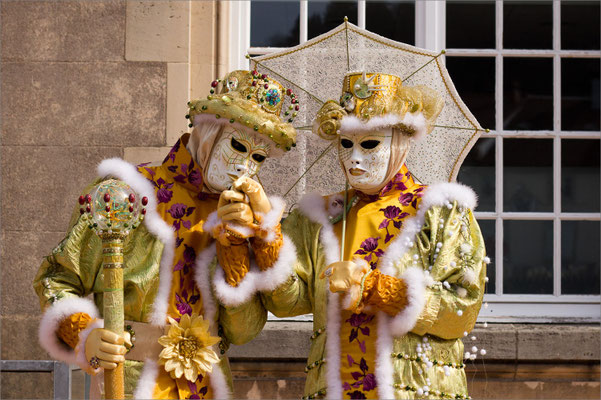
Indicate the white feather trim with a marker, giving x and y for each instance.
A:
(469, 277)
(80, 349)
(404, 321)
(52, 318)
(384, 370)
(461, 291)
(273, 217)
(416, 121)
(221, 389)
(202, 278)
(256, 280)
(438, 194)
(155, 224)
(147, 381)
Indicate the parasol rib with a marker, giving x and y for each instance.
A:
(423, 66)
(323, 153)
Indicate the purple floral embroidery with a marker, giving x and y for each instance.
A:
(390, 214)
(370, 247)
(177, 210)
(397, 183)
(171, 155)
(362, 379)
(197, 393)
(406, 198)
(184, 304)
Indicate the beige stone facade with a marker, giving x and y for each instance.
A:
(83, 81)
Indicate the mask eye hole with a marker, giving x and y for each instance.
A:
(370, 144)
(259, 157)
(347, 144)
(238, 146)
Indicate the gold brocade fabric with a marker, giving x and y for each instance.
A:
(439, 323)
(69, 328)
(371, 225)
(74, 267)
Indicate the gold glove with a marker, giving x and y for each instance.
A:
(348, 277)
(259, 203)
(105, 348)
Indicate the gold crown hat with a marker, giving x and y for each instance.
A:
(251, 100)
(372, 101)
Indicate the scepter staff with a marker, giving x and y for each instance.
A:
(113, 212)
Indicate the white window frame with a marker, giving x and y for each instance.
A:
(430, 31)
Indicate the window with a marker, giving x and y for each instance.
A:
(529, 71)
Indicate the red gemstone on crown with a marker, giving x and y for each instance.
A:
(82, 200)
(107, 208)
(144, 200)
(107, 197)
(132, 197)
(214, 84)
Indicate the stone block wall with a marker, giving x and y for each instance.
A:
(81, 81)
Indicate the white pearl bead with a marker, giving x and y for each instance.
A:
(485, 325)
(474, 349)
(459, 312)
(486, 279)
(415, 257)
(420, 391)
(483, 352)
(465, 333)
(472, 357)
(453, 264)
(486, 260)
(466, 355)
(439, 244)
(473, 338)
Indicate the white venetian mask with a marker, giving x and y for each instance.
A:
(236, 153)
(365, 157)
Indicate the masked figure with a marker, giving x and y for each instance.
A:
(388, 318)
(181, 333)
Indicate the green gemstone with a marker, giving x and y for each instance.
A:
(232, 120)
(286, 113)
(293, 144)
(204, 108)
(211, 91)
(217, 116)
(248, 97)
(190, 125)
(256, 128)
(187, 116)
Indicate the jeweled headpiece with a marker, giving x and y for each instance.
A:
(252, 100)
(374, 101)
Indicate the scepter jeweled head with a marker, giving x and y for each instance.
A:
(112, 207)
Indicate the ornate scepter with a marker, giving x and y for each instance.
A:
(113, 211)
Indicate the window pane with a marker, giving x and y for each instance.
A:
(327, 15)
(528, 257)
(528, 93)
(580, 25)
(528, 25)
(580, 94)
(274, 23)
(580, 257)
(474, 78)
(478, 172)
(528, 175)
(392, 19)
(466, 31)
(487, 226)
(580, 175)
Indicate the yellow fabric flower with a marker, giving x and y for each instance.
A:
(187, 348)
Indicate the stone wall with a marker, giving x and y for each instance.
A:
(82, 81)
